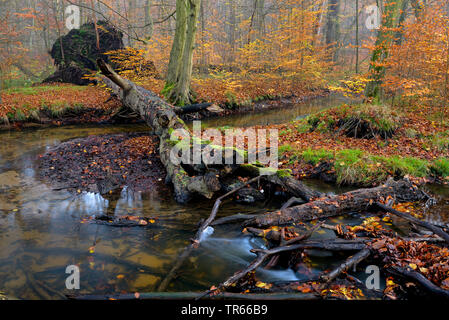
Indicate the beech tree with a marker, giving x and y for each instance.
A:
(394, 14)
(177, 88)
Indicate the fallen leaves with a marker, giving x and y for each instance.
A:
(430, 260)
(120, 159)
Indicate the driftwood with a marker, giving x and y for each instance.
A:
(354, 201)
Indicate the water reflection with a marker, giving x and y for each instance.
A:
(43, 230)
(289, 112)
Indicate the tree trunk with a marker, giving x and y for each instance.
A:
(181, 94)
(178, 43)
(201, 180)
(333, 26)
(177, 88)
(385, 37)
(354, 201)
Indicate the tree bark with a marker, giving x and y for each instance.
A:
(354, 201)
(178, 43)
(201, 179)
(385, 37)
(333, 25)
(181, 94)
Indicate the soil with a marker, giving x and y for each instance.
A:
(105, 163)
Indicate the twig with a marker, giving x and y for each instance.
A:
(435, 229)
(351, 261)
(232, 219)
(195, 242)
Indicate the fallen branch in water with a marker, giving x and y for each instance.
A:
(232, 219)
(124, 221)
(419, 278)
(196, 241)
(429, 226)
(354, 201)
(351, 261)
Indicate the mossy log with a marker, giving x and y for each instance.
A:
(190, 180)
(354, 201)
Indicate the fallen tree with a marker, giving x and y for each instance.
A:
(191, 180)
(354, 201)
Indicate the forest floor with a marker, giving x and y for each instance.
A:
(411, 140)
(55, 104)
(63, 104)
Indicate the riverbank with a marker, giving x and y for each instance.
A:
(66, 104)
(55, 105)
(363, 145)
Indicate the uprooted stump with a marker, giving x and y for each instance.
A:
(75, 53)
(363, 121)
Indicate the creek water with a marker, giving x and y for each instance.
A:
(42, 230)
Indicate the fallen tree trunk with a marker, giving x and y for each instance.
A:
(354, 201)
(188, 180)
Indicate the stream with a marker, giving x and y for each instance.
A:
(42, 231)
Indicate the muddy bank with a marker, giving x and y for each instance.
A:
(104, 163)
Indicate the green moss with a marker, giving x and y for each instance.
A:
(19, 116)
(40, 89)
(440, 141)
(355, 167)
(408, 166)
(284, 173)
(167, 89)
(303, 127)
(285, 132)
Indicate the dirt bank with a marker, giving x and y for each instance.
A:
(104, 163)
